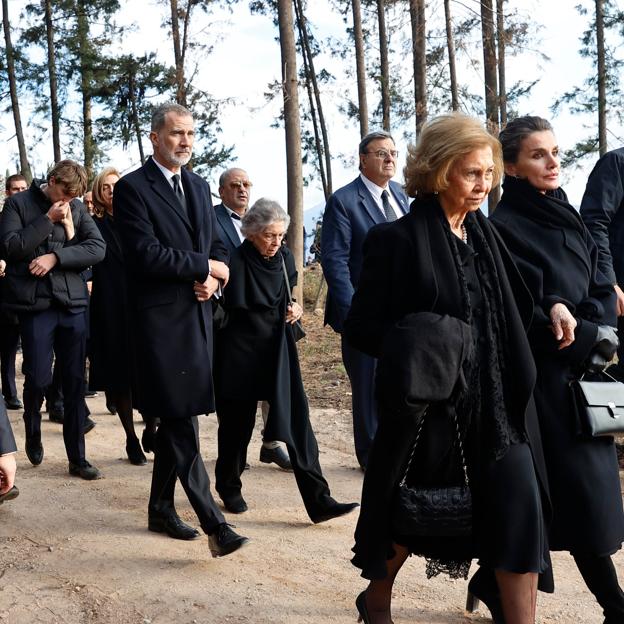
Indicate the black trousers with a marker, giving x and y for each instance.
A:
(9, 339)
(361, 371)
(236, 423)
(61, 331)
(177, 456)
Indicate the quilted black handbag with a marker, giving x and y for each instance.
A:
(599, 406)
(433, 511)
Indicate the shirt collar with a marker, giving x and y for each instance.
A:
(166, 172)
(231, 212)
(375, 190)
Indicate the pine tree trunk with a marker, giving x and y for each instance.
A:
(602, 95)
(17, 118)
(177, 55)
(85, 88)
(450, 45)
(54, 105)
(384, 78)
(500, 37)
(419, 55)
(135, 115)
(292, 129)
(360, 65)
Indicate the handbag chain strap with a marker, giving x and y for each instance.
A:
(459, 443)
(290, 299)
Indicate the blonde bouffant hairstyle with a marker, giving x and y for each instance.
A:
(97, 190)
(443, 141)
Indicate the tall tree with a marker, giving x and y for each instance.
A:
(294, 168)
(180, 45)
(450, 45)
(384, 66)
(419, 56)
(10, 67)
(501, 45)
(602, 91)
(85, 63)
(52, 79)
(360, 64)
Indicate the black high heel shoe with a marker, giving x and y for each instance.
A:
(363, 614)
(482, 587)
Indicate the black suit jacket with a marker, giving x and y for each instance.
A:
(225, 228)
(166, 251)
(7, 441)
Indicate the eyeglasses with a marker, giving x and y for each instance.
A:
(245, 184)
(383, 154)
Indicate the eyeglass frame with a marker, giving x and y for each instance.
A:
(383, 154)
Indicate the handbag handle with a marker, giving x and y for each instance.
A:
(459, 443)
(288, 291)
(604, 372)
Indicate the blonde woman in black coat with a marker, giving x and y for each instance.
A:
(444, 258)
(573, 299)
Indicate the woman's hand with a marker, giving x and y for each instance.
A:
(220, 270)
(294, 312)
(620, 300)
(563, 325)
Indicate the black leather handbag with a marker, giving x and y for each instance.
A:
(599, 406)
(433, 512)
(296, 327)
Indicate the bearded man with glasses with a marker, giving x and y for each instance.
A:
(350, 212)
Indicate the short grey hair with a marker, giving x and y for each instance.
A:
(373, 136)
(261, 215)
(226, 174)
(161, 111)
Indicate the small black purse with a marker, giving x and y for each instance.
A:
(434, 511)
(296, 327)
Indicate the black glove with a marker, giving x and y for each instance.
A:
(604, 349)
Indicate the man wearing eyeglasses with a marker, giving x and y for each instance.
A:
(350, 212)
(234, 190)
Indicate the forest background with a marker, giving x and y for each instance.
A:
(285, 88)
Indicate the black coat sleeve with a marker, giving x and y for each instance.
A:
(19, 241)
(87, 247)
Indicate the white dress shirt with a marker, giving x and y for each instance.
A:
(236, 221)
(376, 192)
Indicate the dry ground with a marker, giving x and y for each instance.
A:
(77, 552)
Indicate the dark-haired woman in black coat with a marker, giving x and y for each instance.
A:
(558, 260)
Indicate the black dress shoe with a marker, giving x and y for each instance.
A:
(235, 504)
(88, 424)
(224, 541)
(111, 408)
(34, 450)
(13, 403)
(85, 471)
(90, 393)
(135, 454)
(56, 414)
(333, 510)
(148, 440)
(275, 455)
(483, 587)
(172, 526)
(10, 495)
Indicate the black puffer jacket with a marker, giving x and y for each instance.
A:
(26, 232)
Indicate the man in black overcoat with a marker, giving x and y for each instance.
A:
(175, 263)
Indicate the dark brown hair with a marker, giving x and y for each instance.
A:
(518, 129)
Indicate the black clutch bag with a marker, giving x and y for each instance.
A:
(599, 406)
(433, 512)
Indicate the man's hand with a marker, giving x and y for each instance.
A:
(42, 265)
(68, 224)
(58, 211)
(205, 290)
(220, 270)
(619, 293)
(563, 325)
(294, 312)
(8, 467)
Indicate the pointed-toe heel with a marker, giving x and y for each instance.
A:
(472, 602)
(360, 605)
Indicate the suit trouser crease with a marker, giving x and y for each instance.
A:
(177, 455)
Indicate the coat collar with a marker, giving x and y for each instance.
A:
(162, 188)
(225, 221)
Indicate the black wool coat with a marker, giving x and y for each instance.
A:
(407, 268)
(110, 357)
(166, 251)
(559, 264)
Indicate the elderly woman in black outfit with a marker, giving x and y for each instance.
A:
(110, 356)
(558, 260)
(256, 359)
(428, 278)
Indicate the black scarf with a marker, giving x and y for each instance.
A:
(551, 208)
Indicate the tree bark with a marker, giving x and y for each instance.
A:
(292, 129)
(384, 77)
(135, 113)
(501, 40)
(17, 118)
(360, 66)
(54, 105)
(450, 46)
(178, 55)
(602, 94)
(86, 81)
(419, 55)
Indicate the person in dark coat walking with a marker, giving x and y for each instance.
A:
(256, 359)
(558, 259)
(175, 264)
(110, 354)
(445, 259)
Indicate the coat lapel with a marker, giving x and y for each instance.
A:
(193, 204)
(163, 189)
(369, 203)
(400, 197)
(225, 221)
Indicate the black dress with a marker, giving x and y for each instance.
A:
(558, 260)
(417, 264)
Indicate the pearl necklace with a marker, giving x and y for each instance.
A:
(464, 232)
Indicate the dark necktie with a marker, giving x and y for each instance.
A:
(390, 214)
(235, 216)
(177, 189)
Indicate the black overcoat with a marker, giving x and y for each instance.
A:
(166, 251)
(407, 267)
(109, 353)
(559, 264)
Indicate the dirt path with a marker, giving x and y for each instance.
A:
(78, 552)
